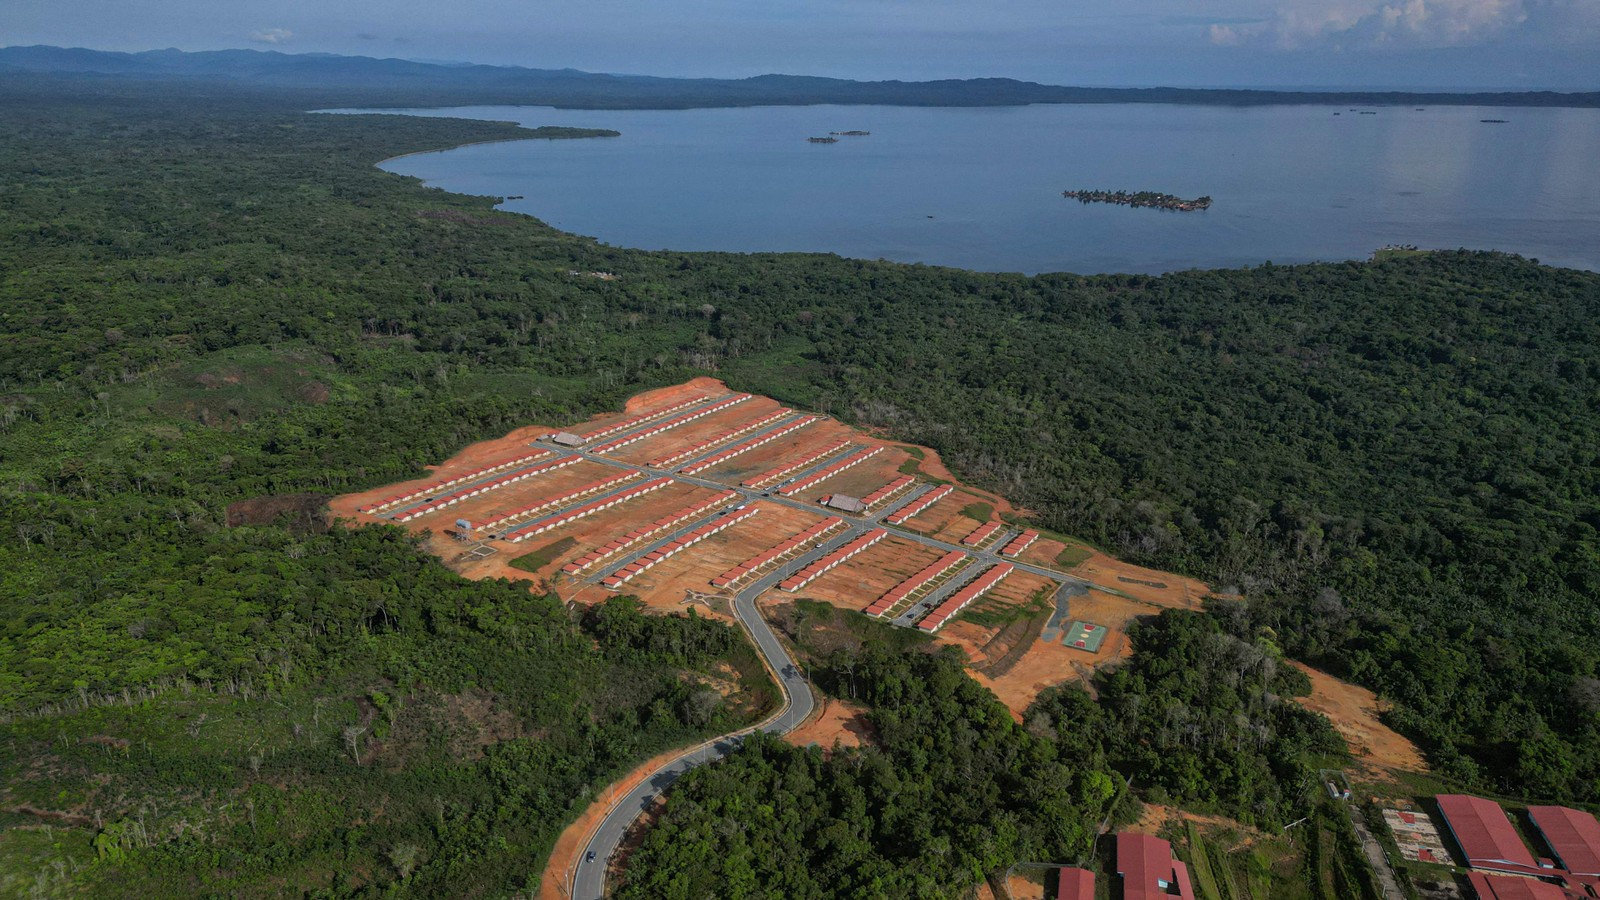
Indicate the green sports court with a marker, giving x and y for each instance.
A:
(1085, 636)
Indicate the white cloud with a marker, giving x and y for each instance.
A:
(1225, 35)
(271, 35)
(1363, 23)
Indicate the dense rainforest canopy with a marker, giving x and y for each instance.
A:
(213, 296)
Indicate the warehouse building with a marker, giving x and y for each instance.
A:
(1573, 835)
(1486, 836)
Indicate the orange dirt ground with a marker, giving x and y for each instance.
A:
(794, 445)
(862, 479)
(1174, 591)
(944, 520)
(594, 531)
(835, 721)
(660, 398)
(1045, 551)
(869, 575)
(1022, 887)
(666, 586)
(1354, 712)
(476, 456)
(687, 435)
(1156, 817)
(686, 578)
(1049, 663)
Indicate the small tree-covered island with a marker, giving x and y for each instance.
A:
(1150, 199)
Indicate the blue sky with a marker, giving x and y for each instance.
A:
(1514, 44)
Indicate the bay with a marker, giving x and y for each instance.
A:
(981, 188)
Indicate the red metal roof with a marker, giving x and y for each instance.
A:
(1185, 889)
(1485, 834)
(1075, 884)
(1511, 887)
(1144, 862)
(1573, 834)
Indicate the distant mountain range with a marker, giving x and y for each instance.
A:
(368, 81)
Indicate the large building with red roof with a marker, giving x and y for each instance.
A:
(1486, 837)
(1148, 869)
(1574, 835)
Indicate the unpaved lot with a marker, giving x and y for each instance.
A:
(1354, 712)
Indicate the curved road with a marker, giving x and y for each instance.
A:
(589, 879)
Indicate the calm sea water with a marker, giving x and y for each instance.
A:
(981, 188)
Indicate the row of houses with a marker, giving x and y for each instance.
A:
(429, 490)
(674, 422)
(887, 492)
(673, 548)
(796, 544)
(642, 418)
(903, 591)
(1021, 542)
(570, 497)
(586, 510)
(980, 534)
(915, 507)
(958, 601)
(741, 449)
(823, 474)
(671, 459)
(665, 523)
(833, 560)
(467, 493)
(782, 469)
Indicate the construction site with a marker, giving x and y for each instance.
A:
(696, 495)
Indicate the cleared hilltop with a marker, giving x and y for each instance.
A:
(365, 80)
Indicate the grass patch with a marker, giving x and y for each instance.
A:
(981, 512)
(819, 628)
(1073, 556)
(1205, 881)
(913, 466)
(991, 612)
(538, 559)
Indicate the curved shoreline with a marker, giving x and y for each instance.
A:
(1334, 245)
(511, 140)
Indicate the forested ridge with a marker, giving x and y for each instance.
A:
(211, 297)
(365, 81)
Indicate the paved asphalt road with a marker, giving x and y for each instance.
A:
(588, 882)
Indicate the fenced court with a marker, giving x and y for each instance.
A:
(1085, 636)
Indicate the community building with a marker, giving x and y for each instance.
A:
(1148, 869)
(844, 504)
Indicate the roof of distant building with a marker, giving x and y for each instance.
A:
(1513, 887)
(1075, 884)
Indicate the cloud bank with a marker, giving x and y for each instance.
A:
(1372, 23)
(271, 36)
